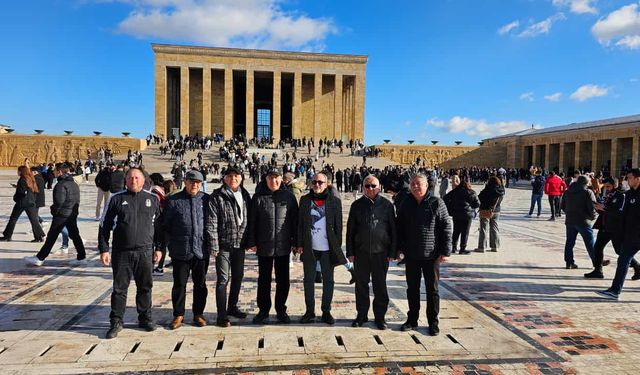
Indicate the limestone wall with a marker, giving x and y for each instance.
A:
(484, 156)
(14, 148)
(432, 155)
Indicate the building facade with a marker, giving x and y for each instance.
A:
(258, 94)
(609, 145)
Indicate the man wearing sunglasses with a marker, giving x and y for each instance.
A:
(371, 243)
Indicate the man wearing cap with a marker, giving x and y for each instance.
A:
(226, 232)
(183, 224)
(273, 218)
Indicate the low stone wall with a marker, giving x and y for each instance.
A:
(15, 148)
(432, 155)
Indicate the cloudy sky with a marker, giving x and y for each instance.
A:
(442, 70)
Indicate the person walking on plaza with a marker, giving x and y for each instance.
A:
(25, 200)
(444, 185)
(117, 179)
(103, 185)
(273, 219)
(319, 240)
(40, 197)
(462, 203)
(371, 244)
(490, 199)
(610, 225)
(66, 202)
(227, 221)
(133, 215)
(183, 222)
(554, 187)
(578, 204)
(631, 240)
(537, 191)
(424, 237)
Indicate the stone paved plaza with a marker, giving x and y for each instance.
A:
(517, 311)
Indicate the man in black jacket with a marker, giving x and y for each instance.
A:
(134, 212)
(226, 231)
(66, 200)
(578, 204)
(273, 219)
(424, 237)
(183, 221)
(117, 179)
(371, 244)
(103, 183)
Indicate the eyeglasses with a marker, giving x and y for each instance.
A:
(370, 186)
(318, 182)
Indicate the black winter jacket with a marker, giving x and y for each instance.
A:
(611, 219)
(491, 196)
(632, 217)
(224, 231)
(424, 230)
(371, 227)
(135, 216)
(273, 220)
(24, 197)
(461, 202)
(183, 223)
(103, 179)
(333, 215)
(66, 197)
(577, 203)
(40, 198)
(117, 181)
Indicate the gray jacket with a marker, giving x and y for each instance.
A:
(224, 230)
(577, 204)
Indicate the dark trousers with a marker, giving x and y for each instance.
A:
(127, 265)
(602, 239)
(228, 262)
(32, 214)
(181, 270)
(461, 228)
(309, 265)
(629, 250)
(554, 203)
(57, 225)
(371, 267)
(414, 270)
(266, 266)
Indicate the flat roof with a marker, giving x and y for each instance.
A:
(256, 53)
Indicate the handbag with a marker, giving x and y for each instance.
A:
(488, 213)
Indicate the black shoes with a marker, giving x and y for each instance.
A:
(327, 318)
(318, 279)
(5, 239)
(353, 276)
(359, 322)
(116, 327)
(261, 317)
(434, 330)
(595, 274)
(408, 326)
(308, 317)
(148, 326)
(224, 323)
(381, 325)
(464, 252)
(636, 275)
(37, 240)
(283, 317)
(571, 266)
(236, 313)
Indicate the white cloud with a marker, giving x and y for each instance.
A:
(508, 27)
(621, 26)
(477, 128)
(226, 23)
(578, 6)
(586, 92)
(553, 97)
(527, 96)
(542, 27)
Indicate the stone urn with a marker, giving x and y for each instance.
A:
(39, 131)
(434, 142)
(68, 132)
(386, 141)
(480, 143)
(126, 134)
(97, 133)
(9, 130)
(458, 143)
(411, 141)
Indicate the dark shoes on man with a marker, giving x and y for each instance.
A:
(148, 326)
(571, 266)
(261, 318)
(236, 313)
(359, 321)
(408, 326)
(283, 317)
(434, 330)
(116, 327)
(381, 324)
(327, 318)
(308, 317)
(5, 239)
(224, 323)
(595, 274)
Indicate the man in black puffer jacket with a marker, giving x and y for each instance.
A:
(462, 203)
(424, 237)
(273, 219)
(183, 222)
(66, 200)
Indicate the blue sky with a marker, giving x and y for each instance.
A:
(442, 70)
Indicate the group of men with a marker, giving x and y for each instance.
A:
(196, 226)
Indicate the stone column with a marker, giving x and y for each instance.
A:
(277, 86)
(359, 107)
(534, 155)
(561, 157)
(595, 164)
(249, 113)
(228, 104)
(317, 106)
(296, 131)
(184, 100)
(635, 150)
(161, 100)
(337, 119)
(547, 152)
(206, 101)
(615, 168)
(576, 156)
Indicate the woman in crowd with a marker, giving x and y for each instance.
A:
(461, 203)
(25, 200)
(490, 199)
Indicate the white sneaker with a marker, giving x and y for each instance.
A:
(33, 261)
(79, 263)
(63, 250)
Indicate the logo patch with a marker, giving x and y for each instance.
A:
(125, 203)
(148, 203)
